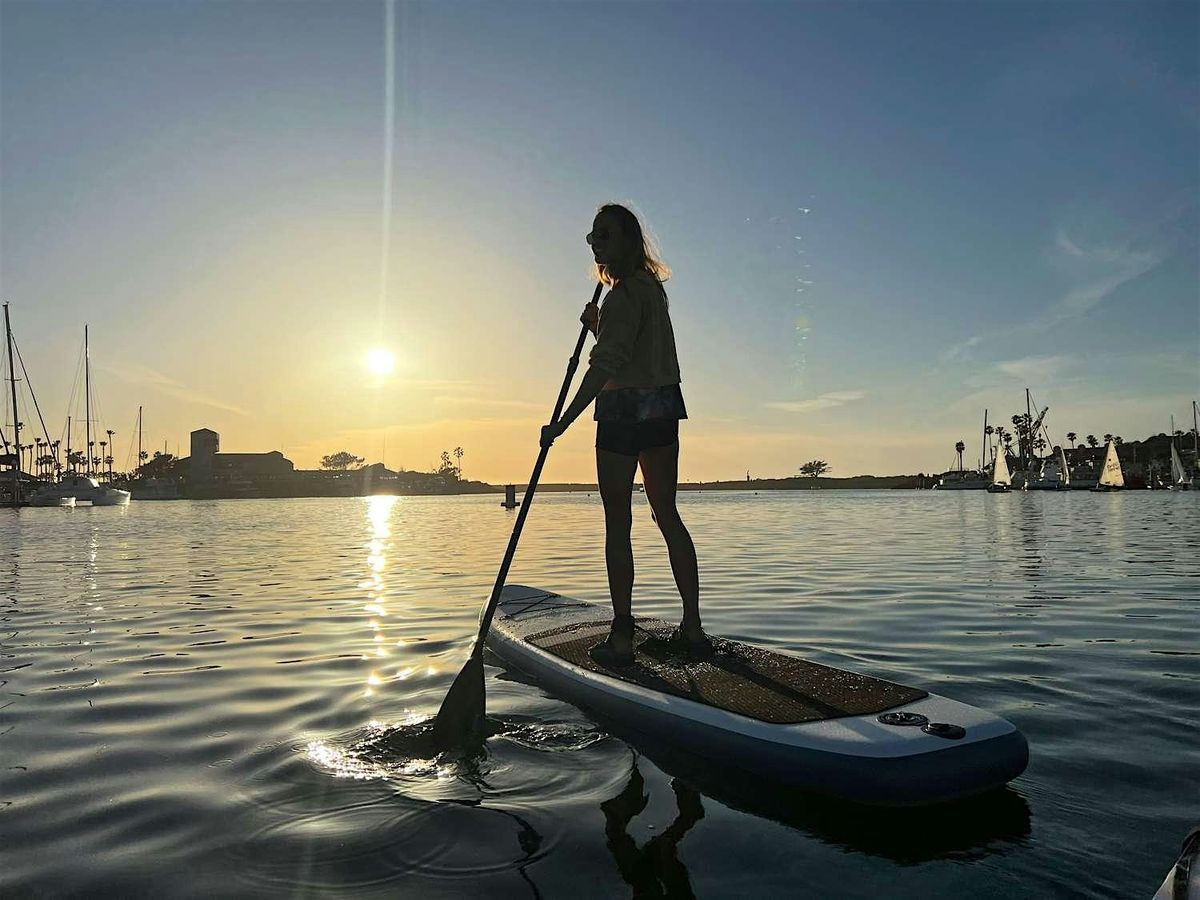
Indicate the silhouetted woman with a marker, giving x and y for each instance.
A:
(633, 375)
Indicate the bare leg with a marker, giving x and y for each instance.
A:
(660, 474)
(614, 472)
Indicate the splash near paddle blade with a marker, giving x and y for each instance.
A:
(460, 721)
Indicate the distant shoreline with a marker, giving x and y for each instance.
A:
(353, 487)
(795, 483)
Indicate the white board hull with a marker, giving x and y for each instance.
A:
(852, 757)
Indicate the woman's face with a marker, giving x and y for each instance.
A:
(608, 242)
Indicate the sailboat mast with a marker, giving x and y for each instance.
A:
(1028, 460)
(983, 452)
(87, 402)
(12, 378)
(138, 467)
(68, 460)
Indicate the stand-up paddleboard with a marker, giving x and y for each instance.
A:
(1183, 881)
(786, 719)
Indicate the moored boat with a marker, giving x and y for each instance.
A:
(43, 498)
(86, 489)
(965, 480)
(1054, 475)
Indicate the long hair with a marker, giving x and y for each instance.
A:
(645, 255)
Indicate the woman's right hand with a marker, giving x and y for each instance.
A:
(591, 317)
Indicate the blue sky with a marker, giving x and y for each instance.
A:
(882, 219)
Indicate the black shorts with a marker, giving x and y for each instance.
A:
(632, 439)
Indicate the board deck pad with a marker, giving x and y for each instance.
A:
(739, 678)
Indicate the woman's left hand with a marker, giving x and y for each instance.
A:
(550, 432)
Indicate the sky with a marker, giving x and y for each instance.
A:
(882, 219)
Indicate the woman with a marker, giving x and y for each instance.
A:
(633, 375)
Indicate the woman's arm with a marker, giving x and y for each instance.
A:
(594, 380)
(619, 323)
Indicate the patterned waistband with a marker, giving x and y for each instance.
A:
(631, 405)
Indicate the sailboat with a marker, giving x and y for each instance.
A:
(14, 458)
(1180, 480)
(1111, 477)
(16, 490)
(82, 485)
(1001, 480)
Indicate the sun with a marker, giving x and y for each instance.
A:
(381, 362)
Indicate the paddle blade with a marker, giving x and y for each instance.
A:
(460, 721)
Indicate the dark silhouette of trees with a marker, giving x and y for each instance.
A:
(815, 468)
(162, 465)
(446, 468)
(341, 461)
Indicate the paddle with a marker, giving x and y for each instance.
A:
(460, 720)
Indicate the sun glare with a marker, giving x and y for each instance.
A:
(381, 362)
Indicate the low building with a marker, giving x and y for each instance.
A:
(207, 463)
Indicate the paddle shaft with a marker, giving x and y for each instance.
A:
(485, 620)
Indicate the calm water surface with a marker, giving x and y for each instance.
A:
(219, 698)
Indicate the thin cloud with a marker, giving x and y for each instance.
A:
(962, 351)
(1099, 271)
(143, 375)
(1105, 268)
(825, 401)
(490, 402)
(1035, 369)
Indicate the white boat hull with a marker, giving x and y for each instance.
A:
(110, 497)
(52, 501)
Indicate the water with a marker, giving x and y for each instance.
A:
(225, 698)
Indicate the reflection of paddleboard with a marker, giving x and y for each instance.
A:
(783, 718)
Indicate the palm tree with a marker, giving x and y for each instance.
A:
(959, 448)
(458, 455)
(143, 455)
(1107, 438)
(38, 457)
(1118, 440)
(103, 452)
(1071, 437)
(1092, 442)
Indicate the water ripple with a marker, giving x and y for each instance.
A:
(240, 691)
